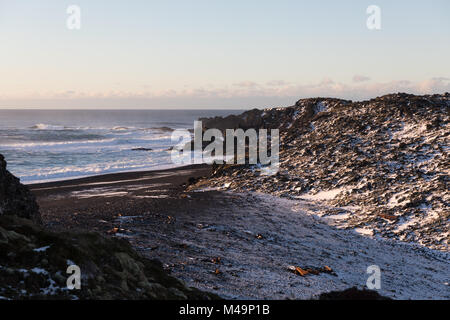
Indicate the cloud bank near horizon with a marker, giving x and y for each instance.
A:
(245, 94)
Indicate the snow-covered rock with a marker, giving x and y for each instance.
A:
(387, 158)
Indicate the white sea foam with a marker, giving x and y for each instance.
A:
(57, 145)
(43, 126)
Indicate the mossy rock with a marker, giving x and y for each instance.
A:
(34, 261)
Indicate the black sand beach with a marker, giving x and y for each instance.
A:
(93, 203)
(237, 245)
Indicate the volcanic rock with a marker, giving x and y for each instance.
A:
(15, 198)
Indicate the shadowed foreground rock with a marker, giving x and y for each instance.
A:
(352, 294)
(33, 264)
(15, 198)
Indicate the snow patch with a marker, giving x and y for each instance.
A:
(320, 107)
(364, 231)
(42, 249)
(39, 271)
(410, 130)
(324, 195)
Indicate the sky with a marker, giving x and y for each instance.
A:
(218, 54)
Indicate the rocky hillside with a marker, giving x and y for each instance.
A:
(382, 165)
(34, 261)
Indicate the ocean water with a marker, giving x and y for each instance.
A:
(49, 145)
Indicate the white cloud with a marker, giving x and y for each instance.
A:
(246, 84)
(360, 78)
(277, 83)
(242, 94)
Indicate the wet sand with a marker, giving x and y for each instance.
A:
(237, 245)
(92, 203)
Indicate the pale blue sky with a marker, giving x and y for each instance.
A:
(139, 54)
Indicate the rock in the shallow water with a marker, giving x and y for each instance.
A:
(15, 198)
(142, 149)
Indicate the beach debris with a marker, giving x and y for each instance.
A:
(170, 220)
(113, 230)
(388, 216)
(310, 270)
(300, 271)
(217, 272)
(216, 260)
(327, 268)
(259, 236)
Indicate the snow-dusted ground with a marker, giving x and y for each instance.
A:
(257, 237)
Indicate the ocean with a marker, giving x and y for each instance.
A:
(51, 145)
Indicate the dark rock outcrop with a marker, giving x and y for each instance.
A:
(247, 120)
(34, 262)
(15, 198)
